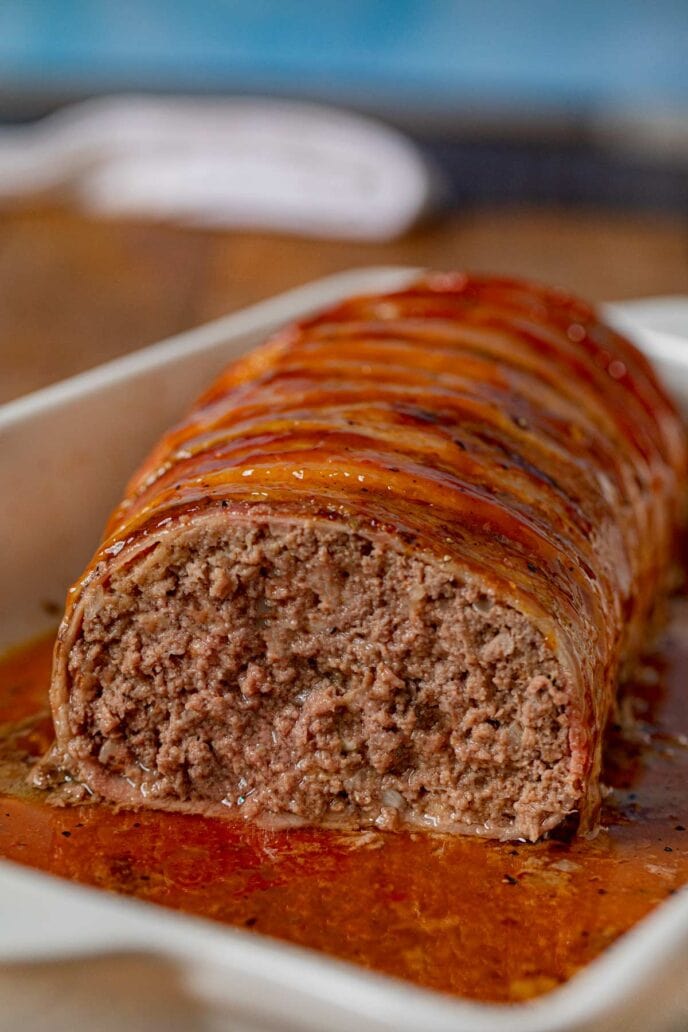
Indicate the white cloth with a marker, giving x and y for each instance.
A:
(299, 167)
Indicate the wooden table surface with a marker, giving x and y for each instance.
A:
(75, 292)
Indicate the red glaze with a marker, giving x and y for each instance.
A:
(491, 422)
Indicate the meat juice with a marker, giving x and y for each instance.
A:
(480, 919)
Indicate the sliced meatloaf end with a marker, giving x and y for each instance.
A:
(303, 672)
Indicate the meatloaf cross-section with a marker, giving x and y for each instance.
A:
(387, 572)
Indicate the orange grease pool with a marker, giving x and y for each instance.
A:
(474, 918)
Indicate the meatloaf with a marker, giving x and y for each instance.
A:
(387, 572)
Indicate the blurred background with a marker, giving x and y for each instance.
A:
(144, 189)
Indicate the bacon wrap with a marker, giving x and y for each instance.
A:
(495, 425)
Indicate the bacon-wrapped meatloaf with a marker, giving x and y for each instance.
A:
(387, 572)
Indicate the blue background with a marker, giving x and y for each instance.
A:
(424, 55)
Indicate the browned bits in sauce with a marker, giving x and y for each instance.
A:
(475, 918)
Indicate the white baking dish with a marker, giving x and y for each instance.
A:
(65, 453)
